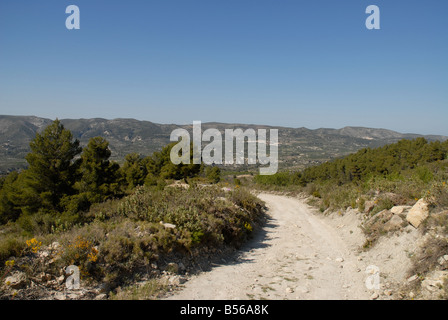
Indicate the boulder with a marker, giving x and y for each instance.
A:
(418, 213)
(176, 280)
(17, 280)
(442, 260)
(433, 283)
(168, 225)
(399, 209)
(394, 223)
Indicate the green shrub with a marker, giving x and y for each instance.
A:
(424, 174)
(383, 204)
(11, 245)
(213, 174)
(361, 204)
(279, 179)
(316, 194)
(149, 290)
(437, 194)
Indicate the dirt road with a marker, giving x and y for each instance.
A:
(297, 255)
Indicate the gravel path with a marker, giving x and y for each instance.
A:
(297, 255)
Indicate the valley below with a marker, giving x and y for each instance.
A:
(298, 147)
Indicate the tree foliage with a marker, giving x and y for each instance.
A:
(159, 164)
(97, 176)
(52, 166)
(63, 178)
(384, 161)
(134, 170)
(213, 174)
(8, 192)
(387, 160)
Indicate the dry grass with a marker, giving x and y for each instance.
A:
(148, 290)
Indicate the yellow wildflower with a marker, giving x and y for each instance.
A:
(93, 255)
(10, 263)
(34, 244)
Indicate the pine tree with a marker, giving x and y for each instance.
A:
(160, 165)
(51, 172)
(8, 208)
(213, 174)
(134, 170)
(98, 176)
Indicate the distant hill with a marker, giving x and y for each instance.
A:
(299, 147)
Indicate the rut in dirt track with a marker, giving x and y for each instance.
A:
(296, 256)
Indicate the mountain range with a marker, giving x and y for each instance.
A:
(298, 147)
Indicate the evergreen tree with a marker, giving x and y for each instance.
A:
(52, 168)
(98, 176)
(160, 165)
(134, 170)
(8, 208)
(213, 174)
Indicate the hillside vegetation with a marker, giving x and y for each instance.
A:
(73, 206)
(411, 169)
(62, 177)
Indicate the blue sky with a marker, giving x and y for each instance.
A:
(278, 62)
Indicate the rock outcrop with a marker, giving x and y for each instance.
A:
(418, 213)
